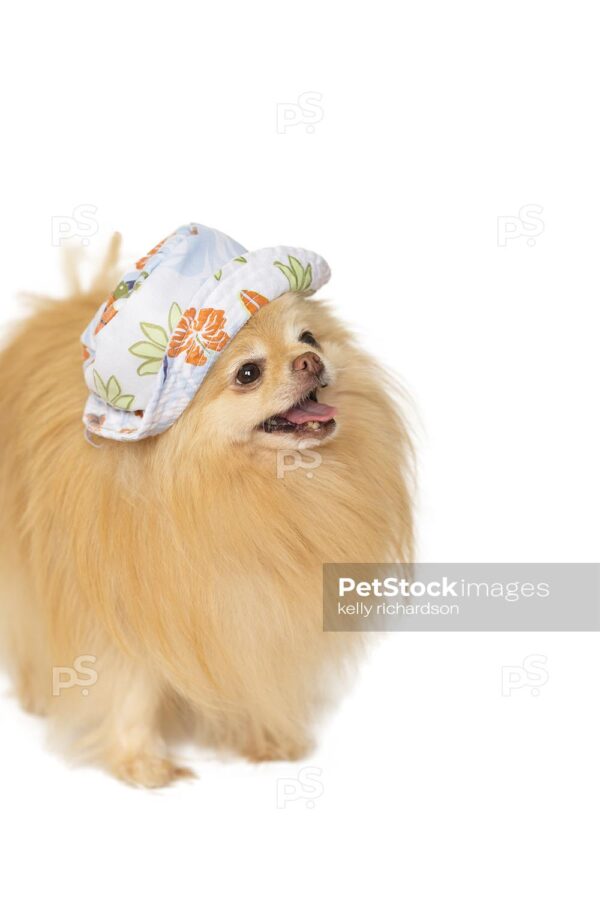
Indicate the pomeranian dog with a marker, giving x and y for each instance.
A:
(183, 573)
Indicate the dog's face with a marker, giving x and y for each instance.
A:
(272, 385)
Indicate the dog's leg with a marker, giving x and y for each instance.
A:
(136, 751)
(127, 702)
(265, 736)
(265, 746)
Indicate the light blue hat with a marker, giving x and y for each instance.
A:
(151, 344)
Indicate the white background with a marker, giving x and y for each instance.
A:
(434, 119)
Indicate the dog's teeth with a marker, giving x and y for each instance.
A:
(312, 426)
(270, 424)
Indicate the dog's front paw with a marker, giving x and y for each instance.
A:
(150, 771)
(284, 750)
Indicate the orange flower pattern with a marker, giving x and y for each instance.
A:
(141, 263)
(253, 301)
(108, 313)
(197, 332)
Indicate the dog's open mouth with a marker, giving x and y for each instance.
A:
(307, 418)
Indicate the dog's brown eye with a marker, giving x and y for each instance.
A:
(248, 373)
(308, 338)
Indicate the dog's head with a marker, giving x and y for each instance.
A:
(275, 385)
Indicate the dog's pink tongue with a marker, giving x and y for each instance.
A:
(309, 411)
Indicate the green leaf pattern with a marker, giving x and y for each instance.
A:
(152, 350)
(111, 392)
(299, 277)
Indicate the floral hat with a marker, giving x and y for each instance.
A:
(151, 344)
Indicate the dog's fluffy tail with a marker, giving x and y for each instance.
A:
(103, 279)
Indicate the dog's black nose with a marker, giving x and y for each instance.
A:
(309, 363)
